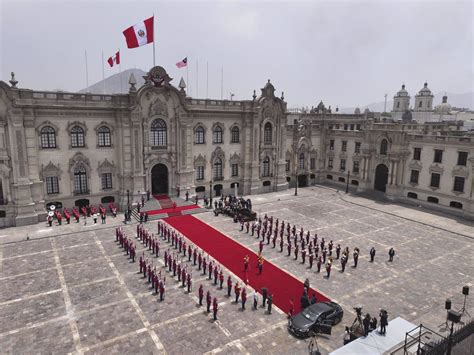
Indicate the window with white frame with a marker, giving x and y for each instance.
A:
(235, 135)
(200, 172)
(217, 135)
(235, 169)
(80, 180)
(77, 137)
(199, 135)
(52, 185)
(218, 169)
(158, 133)
(266, 167)
(106, 181)
(104, 136)
(301, 161)
(48, 137)
(267, 133)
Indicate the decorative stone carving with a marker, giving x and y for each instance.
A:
(460, 171)
(83, 125)
(435, 168)
(106, 167)
(268, 90)
(416, 165)
(158, 108)
(268, 112)
(79, 159)
(50, 170)
(235, 158)
(218, 153)
(199, 161)
(157, 77)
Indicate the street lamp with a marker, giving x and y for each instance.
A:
(210, 193)
(296, 173)
(128, 199)
(347, 185)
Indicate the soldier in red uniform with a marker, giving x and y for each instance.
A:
(311, 259)
(237, 292)
(216, 275)
(246, 263)
(221, 278)
(244, 298)
(200, 294)
(214, 308)
(208, 300)
(229, 285)
(162, 290)
(189, 282)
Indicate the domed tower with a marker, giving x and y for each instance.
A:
(401, 103)
(423, 105)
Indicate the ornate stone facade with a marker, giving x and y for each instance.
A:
(74, 149)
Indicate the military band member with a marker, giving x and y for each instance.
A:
(200, 294)
(246, 263)
(208, 300)
(229, 286)
(244, 298)
(318, 264)
(328, 267)
(189, 282)
(343, 262)
(372, 254)
(303, 256)
(391, 254)
(162, 290)
(214, 308)
(311, 259)
(216, 275)
(338, 251)
(296, 252)
(237, 292)
(221, 278)
(281, 245)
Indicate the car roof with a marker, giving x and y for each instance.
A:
(320, 307)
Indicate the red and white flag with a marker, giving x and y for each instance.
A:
(139, 34)
(115, 59)
(183, 63)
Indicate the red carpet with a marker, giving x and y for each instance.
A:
(172, 210)
(231, 254)
(164, 201)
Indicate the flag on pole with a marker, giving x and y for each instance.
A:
(139, 34)
(183, 63)
(115, 59)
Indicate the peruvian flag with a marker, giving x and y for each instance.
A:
(139, 34)
(114, 59)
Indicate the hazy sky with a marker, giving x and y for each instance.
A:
(347, 53)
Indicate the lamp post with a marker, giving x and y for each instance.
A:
(128, 198)
(210, 193)
(296, 172)
(347, 184)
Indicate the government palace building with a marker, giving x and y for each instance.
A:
(75, 149)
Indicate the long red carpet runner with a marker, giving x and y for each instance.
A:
(231, 254)
(172, 210)
(164, 201)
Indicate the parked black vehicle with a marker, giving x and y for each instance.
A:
(317, 318)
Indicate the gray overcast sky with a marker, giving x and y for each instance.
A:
(347, 53)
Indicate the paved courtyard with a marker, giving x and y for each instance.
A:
(71, 288)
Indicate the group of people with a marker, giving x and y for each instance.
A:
(302, 245)
(86, 211)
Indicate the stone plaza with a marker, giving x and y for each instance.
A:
(72, 289)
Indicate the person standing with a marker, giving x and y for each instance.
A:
(244, 298)
(356, 256)
(383, 321)
(372, 254)
(391, 254)
(246, 263)
(237, 292)
(270, 302)
(338, 251)
(366, 323)
(264, 295)
(229, 286)
(214, 308)
(208, 300)
(200, 294)
(255, 300)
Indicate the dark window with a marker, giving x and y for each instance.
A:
(287, 167)
(301, 161)
(235, 169)
(312, 163)
(267, 183)
(432, 199)
(217, 169)
(462, 158)
(383, 147)
(343, 164)
(416, 153)
(455, 204)
(266, 167)
(312, 176)
(52, 185)
(80, 180)
(158, 133)
(217, 135)
(104, 136)
(329, 177)
(435, 178)
(107, 199)
(358, 127)
(412, 195)
(199, 135)
(288, 179)
(352, 127)
(3, 214)
(235, 135)
(341, 179)
(199, 173)
(438, 156)
(330, 163)
(355, 167)
(420, 104)
(414, 176)
(357, 147)
(355, 182)
(344, 146)
(48, 137)
(331, 144)
(200, 189)
(346, 127)
(398, 104)
(458, 184)
(77, 137)
(106, 181)
(267, 133)
(337, 126)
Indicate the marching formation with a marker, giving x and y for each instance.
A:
(302, 246)
(179, 260)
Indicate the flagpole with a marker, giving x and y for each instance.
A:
(222, 83)
(197, 78)
(187, 76)
(120, 71)
(103, 74)
(207, 80)
(154, 64)
(87, 72)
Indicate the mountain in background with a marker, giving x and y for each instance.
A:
(465, 100)
(117, 83)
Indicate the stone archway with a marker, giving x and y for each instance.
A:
(381, 177)
(159, 179)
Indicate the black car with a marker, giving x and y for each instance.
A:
(317, 317)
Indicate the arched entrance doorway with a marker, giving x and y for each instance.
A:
(159, 179)
(302, 180)
(381, 177)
